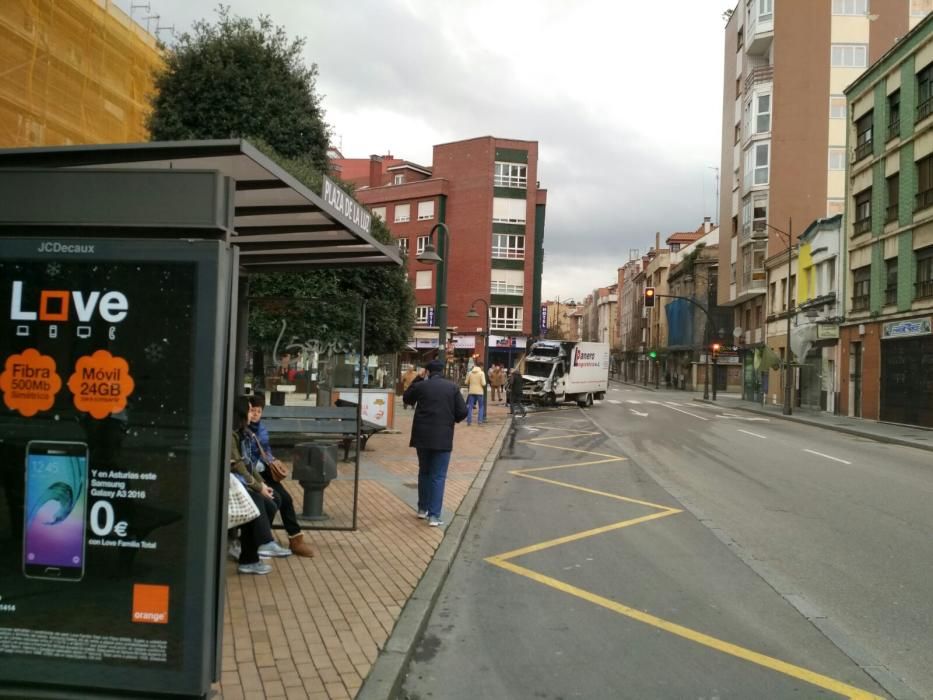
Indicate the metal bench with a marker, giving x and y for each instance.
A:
(289, 425)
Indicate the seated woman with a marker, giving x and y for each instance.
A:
(244, 468)
(261, 452)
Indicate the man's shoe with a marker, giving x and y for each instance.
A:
(260, 568)
(297, 544)
(435, 522)
(422, 514)
(273, 549)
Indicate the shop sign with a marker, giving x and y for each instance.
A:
(425, 342)
(543, 318)
(906, 329)
(500, 341)
(430, 315)
(827, 331)
(112, 468)
(465, 342)
(344, 207)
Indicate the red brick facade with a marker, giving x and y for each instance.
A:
(871, 370)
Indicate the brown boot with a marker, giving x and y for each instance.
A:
(298, 545)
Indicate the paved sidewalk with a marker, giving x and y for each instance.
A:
(313, 628)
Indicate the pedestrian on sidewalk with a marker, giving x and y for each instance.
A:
(476, 384)
(438, 406)
(516, 384)
(407, 379)
(496, 380)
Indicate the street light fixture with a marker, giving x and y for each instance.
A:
(435, 256)
(788, 369)
(473, 313)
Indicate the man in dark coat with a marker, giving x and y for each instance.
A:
(516, 385)
(438, 405)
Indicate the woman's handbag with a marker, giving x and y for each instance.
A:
(240, 507)
(277, 469)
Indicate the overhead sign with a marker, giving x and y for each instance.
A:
(543, 318)
(111, 478)
(827, 331)
(907, 328)
(344, 206)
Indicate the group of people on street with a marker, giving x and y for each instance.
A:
(251, 463)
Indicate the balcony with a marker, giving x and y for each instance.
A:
(861, 302)
(761, 74)
(923, 289)
(861, 226)
(923, 200)
(894, 129)
(925, 108)
(863, 150)
(760, 33)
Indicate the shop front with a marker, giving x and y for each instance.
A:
(907, 372)
(506, 350)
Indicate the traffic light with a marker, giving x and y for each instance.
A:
(649, 296)
(716, 348)
(653, 354)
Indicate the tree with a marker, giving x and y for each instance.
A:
(238, 79)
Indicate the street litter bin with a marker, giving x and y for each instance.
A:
(314, 467)
(277, 398)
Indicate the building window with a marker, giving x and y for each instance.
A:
(756, 164)
(924, 285)
(740, 39)
(925, 92)
(426, 210)
(732, 273)
(422, 244)
(893, 192)
(918, 8)
(835, 205)
(379, 213)
(861, 288)
(423, 279)
(890, 289)
(422, 314)
(508, 211)
(765, 10)
(511, 175)
(924, 183)
(508, 282)
(398, 180)
(402, 244)
(508, 246)
(402, 213)
(773, 295)
(850, 7)
(763, 114)
(894, 114)
(837, 107)
(863, 130)
(837, 158)
(849, 56)
(505, 318)
(862, 222)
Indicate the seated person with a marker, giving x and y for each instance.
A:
(245, 469)
(261, 452)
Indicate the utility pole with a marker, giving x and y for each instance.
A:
(788, 369)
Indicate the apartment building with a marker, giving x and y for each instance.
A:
(556, 319)
(485, 190)
(886, 339)
(787, 64)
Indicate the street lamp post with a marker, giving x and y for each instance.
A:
(788, 369)
(472, 313)
(437, 256)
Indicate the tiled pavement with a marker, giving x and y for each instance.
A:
(314, 627)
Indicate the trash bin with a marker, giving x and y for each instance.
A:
(277, 398)
(314, 467)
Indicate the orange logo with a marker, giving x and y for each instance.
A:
(29, 382)
(150, 604)
(101, 384)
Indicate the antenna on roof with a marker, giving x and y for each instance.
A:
(140, 6)
(151, 17)
(165, 29)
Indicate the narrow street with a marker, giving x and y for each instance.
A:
(653, 546)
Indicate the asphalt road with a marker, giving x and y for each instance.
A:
(653, 547)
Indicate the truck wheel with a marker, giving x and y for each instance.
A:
(600, 395)
(586, 401)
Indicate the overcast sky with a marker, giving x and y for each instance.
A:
(623, 97)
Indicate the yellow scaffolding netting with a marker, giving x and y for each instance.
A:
(73, 72)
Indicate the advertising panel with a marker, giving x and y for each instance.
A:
(110, 462)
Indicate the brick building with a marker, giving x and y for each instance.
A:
(485, 190)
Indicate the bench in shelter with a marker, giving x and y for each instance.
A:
(289, 425)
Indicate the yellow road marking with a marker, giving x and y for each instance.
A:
(706, 640)
(503, 562)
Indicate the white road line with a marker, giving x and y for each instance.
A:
(672, 403)
(614, 401)
(656, 403)
(638, 413)
(749, 432)
(835, 459)
(632, 401)
(683, 411)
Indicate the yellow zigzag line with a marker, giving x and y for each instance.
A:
(503, 561)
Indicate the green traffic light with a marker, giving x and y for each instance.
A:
(652, 354)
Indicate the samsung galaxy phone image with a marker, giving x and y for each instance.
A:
(56, 510)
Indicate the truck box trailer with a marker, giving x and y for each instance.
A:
(561, 371)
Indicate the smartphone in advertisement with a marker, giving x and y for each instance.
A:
(56, 510)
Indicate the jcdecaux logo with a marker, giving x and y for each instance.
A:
(57, 306)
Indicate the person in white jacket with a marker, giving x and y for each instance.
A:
(476, 387)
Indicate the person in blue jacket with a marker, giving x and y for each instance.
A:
(438, 406)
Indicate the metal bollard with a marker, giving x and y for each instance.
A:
(314, 467)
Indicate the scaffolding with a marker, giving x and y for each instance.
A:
(73, 72)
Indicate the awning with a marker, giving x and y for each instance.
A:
(278, 223)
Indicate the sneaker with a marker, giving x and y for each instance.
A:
(435, 522)
(274, 549)
(234, 550)
(260, 568)
(422, 514)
